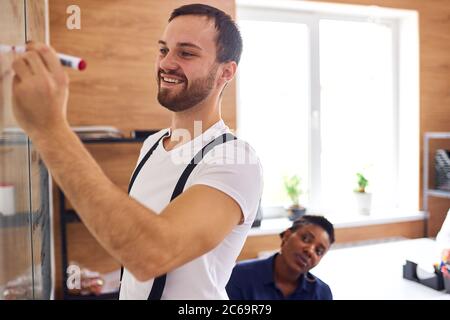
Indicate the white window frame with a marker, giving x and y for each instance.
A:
(404, 24)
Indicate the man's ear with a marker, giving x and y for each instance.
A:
(228, 72)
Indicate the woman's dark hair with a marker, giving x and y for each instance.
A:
(320, 221)
(229, 40)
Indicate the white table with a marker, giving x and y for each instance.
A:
(375, 271)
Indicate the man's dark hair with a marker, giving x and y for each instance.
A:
(320, 221)
(229, 40)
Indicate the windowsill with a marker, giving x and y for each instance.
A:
(270, 226)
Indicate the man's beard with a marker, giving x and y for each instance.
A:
(188, 97)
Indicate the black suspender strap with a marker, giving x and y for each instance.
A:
(143, 161)
(136, 172)
(198, 157)
(160, 282)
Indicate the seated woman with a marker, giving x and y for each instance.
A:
(285, 275)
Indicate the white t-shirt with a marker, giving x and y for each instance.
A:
(232, 168)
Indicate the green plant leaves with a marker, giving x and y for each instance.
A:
(362, 182)
(293, 189)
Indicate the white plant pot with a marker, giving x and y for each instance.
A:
(363, 202)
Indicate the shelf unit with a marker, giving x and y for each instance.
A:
(70, 216)
(427, 191)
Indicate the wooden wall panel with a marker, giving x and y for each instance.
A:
(118, 39)
(438, 208)
(411, 229)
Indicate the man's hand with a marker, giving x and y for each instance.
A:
(40, 89)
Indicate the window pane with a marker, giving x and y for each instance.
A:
(273, 101)
(357, 112)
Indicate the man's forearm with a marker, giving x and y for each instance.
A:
(117, 221)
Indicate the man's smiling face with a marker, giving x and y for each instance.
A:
(186, 65)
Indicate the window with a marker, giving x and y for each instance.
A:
(323, 93)
(271, 91)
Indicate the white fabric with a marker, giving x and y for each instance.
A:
(443, 237)
(206, 276)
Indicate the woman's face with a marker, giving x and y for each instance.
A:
(303, 248)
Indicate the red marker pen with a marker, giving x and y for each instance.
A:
(66, 60)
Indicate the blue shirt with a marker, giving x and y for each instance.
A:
(254, 280)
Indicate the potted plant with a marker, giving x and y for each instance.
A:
(293, 190)
(363, 198)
